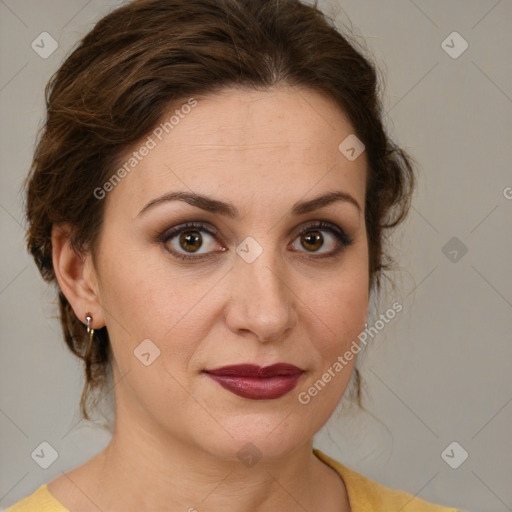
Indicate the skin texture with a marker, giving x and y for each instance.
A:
(177, 432)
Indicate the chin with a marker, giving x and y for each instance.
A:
(253, 438)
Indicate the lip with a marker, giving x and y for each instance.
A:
(257, 382)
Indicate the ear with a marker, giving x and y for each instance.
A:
(76, 276)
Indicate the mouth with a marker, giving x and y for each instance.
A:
(257, 382)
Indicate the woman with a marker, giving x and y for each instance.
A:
(211, 194)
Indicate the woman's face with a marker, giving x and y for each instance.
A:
(262, 284)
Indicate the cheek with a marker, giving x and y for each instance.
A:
(343, 304)
(342, 311)
(139, 301)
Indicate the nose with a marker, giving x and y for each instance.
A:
(262, 302)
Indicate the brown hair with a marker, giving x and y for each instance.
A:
(150, 54)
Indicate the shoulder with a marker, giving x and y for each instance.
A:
(366, 495)
(39, 501)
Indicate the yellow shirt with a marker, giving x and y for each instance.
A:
(364, 495)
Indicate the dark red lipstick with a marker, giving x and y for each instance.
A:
(257, 382)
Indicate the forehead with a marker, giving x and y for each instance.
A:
(248, 144)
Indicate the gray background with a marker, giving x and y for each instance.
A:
(438, 373)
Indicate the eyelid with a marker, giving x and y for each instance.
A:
(197, 225)
(172, 232)
(323, 225)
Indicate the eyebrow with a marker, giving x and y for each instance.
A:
(220, 207)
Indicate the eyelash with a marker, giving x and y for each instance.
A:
(344, 239)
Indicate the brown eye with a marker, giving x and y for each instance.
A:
(322, 238)
(190, 241)
(312, 240)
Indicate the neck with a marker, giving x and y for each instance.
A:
(142, 471)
